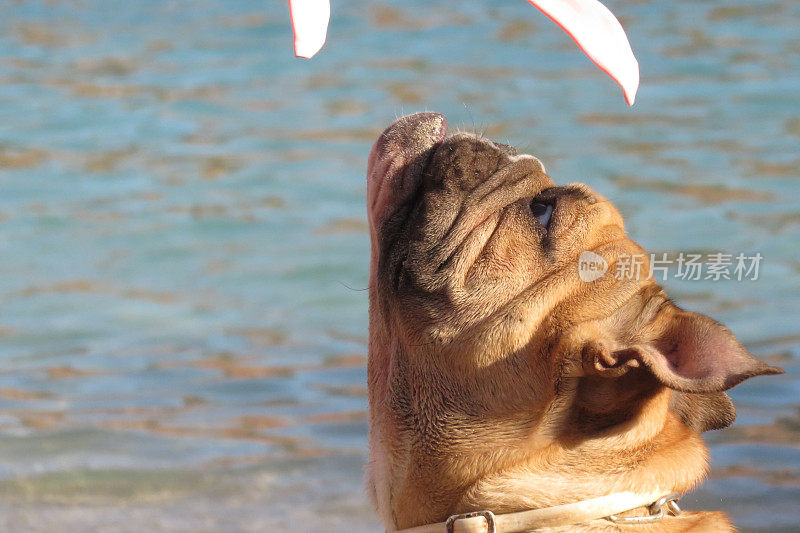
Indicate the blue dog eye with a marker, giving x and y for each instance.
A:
(542, 212)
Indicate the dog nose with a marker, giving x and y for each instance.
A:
(425, 121)
(412, 133)
(397, 158)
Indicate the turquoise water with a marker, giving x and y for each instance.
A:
(184, 246)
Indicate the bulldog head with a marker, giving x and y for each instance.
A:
(504, 350)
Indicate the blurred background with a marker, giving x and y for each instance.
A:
(183, 314)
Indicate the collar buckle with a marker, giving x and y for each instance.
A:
(487, 515)
(655, 510)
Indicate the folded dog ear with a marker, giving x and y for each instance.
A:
(690, 353)
(698, 354)
(685, 351)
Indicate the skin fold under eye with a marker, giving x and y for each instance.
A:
(542, 212)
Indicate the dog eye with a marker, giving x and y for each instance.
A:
(542, 212)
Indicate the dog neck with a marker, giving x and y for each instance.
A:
(651, 452)
(526, 459)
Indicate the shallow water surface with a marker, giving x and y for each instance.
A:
(184, 244)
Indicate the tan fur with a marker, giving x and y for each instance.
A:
(497, 378)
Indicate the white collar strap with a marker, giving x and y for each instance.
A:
(560, 515)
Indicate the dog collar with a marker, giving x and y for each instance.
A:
(604, 507)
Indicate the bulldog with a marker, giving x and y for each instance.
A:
(502, 379)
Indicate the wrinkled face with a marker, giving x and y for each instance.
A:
(469, 236)
(476, 255)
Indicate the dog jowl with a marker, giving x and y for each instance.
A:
(501, 375)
